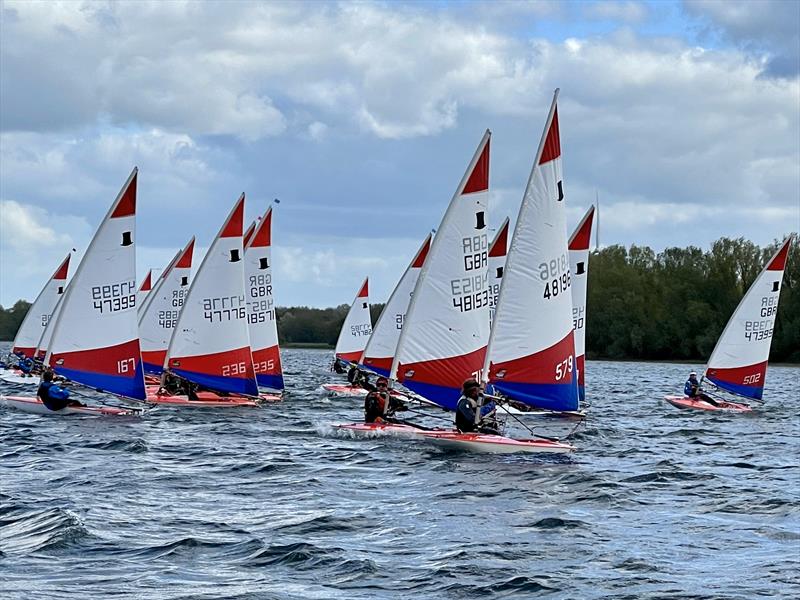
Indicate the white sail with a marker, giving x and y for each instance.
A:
(446, 329)
(38, 316)
(498, 250)
(382, 343)
(210, 344)
(158, 320)
(261, 304)
(579, 268)
(95, 339)
(531, 351)
(356, 328)
(738, 363)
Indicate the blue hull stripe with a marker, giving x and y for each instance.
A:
(216, 383)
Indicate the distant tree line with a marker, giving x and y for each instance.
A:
(670, 305)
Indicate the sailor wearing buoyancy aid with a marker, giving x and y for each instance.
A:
(379, 405)
(472, 411)
(53, 396)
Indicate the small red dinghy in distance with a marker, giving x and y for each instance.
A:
(738, 364)
(698, 404)
(35, 406)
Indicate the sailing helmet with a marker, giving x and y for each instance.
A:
(469, 384)
(693, 374)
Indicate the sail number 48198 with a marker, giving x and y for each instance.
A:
(555, 275)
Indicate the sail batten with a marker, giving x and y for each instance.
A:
(531, 351)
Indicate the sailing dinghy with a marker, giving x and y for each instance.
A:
(531, 335)
(579, 270)
(210, 343)
(738, 364)
(95, 340)
(353, 336)
(261, 315)
(35, 322)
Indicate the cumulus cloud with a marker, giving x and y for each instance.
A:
(767, 27)
(361, 118)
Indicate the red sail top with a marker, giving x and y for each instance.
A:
(364, 289)
(499, 245)
(262, 237)
(778, 262)
(479, 178)
(147, 284)
(61, 272)
(552, 145)
(126, 203)
(582, 236)
(419, 259)
(235, 223)
(185, 260)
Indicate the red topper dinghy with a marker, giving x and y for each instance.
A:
(698, 404)
(375, 429)
(497, 444)
(35, 406)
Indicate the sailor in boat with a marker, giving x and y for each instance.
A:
(379, 405)
(26, 365)
(53, 396)
(692, 390)
(473, 412)
(339, 366)
(357, 377)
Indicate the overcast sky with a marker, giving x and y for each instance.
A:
(683, 116)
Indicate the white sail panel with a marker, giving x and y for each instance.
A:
(444, 336)
(95, 340)
(47, 332)
(357, 327)
(579, 268)
(261, 305)
(211, 342)
(498, 250)
(158, 320)
(739, 360)
(38, 316)
(531, 353)
(382, 343)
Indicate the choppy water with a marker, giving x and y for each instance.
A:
(270, 503)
